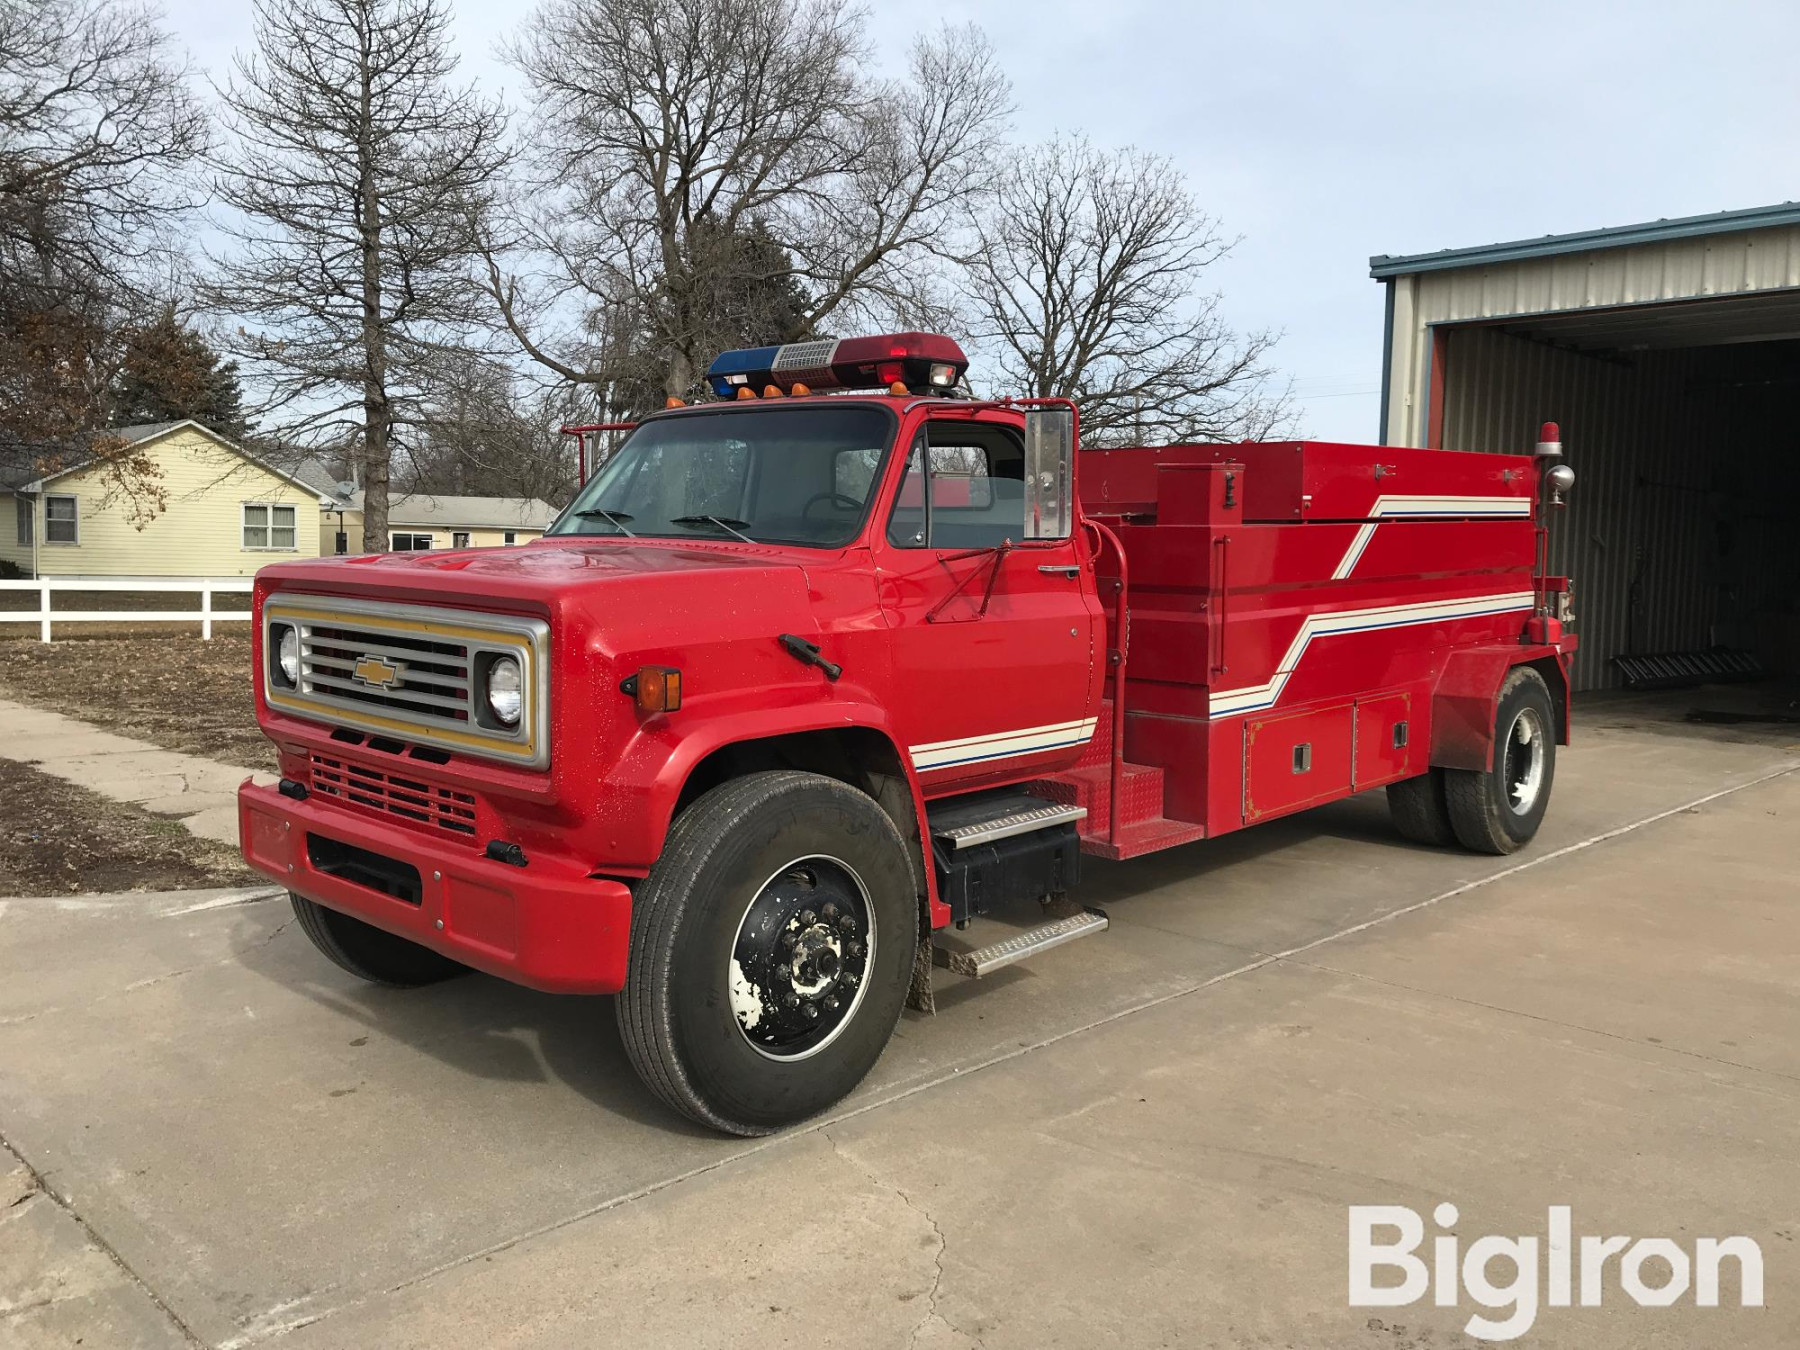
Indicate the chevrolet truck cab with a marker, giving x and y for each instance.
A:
(806, 675)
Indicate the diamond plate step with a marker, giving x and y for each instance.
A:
(998, 955)
(1022, 821)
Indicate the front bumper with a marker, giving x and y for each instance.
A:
(547, 925)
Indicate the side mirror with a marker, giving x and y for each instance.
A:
(1049, 472)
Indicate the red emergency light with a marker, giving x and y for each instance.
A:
(920, 361)
(1549, 440)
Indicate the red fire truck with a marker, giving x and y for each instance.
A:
(805, 675)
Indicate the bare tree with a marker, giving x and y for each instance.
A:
(485, 435)
(98, 133)
(691, 153)
(1087, 285)
(357, 178)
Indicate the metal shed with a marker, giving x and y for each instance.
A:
(1669, 352)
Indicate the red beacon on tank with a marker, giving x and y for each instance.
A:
(797, 691)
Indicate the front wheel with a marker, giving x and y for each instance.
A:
(771, 948)
(1498, 810)
(371, 953)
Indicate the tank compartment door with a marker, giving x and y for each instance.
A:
(1298, 760)
(1389, 745)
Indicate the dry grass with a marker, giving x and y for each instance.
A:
(74, 840)
(175, 691)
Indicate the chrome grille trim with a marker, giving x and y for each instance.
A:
(435, 699)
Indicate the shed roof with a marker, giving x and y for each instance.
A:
(1384, 265)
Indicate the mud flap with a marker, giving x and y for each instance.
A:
(919, 996)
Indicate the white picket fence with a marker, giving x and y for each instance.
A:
(206, 587)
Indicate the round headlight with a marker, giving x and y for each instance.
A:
(287, 655)
(505, 690)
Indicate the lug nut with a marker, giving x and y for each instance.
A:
(808, 918)
(812, 1012)
(790, 1001)
(831, 1004)
(848, 923)
(851, 978)
(828, 911)
(854, 948)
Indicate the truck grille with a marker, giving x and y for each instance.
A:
(411, 799)
(413, 671)
(436, 681)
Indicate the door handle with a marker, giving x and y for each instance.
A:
(1060, 569)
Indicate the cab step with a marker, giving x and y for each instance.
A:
(1022, 946)
(983, 819)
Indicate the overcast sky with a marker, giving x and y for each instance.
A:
(1326, 132)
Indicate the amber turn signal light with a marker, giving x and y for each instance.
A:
(673, 402)
(745, 391)
(654, 689)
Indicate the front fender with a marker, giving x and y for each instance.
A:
(649, 776)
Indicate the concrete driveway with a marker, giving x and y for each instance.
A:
(1149, 1138)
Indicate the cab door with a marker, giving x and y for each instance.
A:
(997, 637)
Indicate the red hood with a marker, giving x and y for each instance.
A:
(535, 576)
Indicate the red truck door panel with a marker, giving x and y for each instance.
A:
(1298, 760)
(994, 646)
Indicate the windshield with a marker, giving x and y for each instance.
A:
(799, 475)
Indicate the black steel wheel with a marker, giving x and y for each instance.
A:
(771, 948)
(799, 968)
(371, 953)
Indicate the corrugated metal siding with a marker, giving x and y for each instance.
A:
(1687, 269)
(1682, 526)
(1740, 263)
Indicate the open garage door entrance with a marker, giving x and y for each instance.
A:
(1682, 423)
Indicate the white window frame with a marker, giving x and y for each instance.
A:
(75, 520)
(268, 527)
(459, 539)
(25, 508)
(415, 536)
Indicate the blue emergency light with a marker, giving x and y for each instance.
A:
(921, 361)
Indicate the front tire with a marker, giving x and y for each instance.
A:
(771, 948)
(1498, 810)
(372, 953)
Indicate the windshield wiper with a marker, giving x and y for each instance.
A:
(616, 519)
(730, 524)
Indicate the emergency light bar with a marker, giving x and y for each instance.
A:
(920, 361)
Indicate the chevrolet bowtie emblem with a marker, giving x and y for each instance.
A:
(377, 673)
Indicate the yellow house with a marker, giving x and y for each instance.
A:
(226, 514)
(430, 520)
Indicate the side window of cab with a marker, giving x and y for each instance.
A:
(964, 487)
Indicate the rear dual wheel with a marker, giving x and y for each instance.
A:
(1495, 810)
(771, 948)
